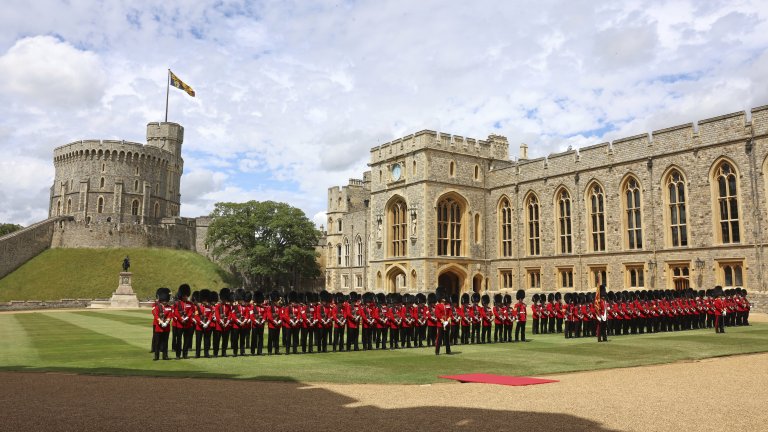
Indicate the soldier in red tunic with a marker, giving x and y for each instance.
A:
(257, 323)
(443, 316)
(162, 315)
(521, 314)
(221, 317)
(203, 324)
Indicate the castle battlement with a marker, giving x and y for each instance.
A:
(731, 127)
(495, 147)
(113, 150)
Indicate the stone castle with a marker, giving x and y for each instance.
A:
(675, 208)
(113, 194)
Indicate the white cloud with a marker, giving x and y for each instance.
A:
(291, 96)
(43, 71)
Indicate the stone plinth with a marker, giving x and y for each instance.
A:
(123, 297)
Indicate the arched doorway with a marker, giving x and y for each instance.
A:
(477, 283)
(396, 280)
(451, 281)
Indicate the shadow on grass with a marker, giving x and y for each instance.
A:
(139, 403)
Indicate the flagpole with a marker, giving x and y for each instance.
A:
(167, 90)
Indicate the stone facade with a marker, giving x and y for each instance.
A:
(644, 212)
(21, 246)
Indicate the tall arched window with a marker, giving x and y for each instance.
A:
(338, 254)
(532, 220)
(596, 202)
(346, 252)
(452, 169)
(449, 234)
(505, 227)
(100, 205)
(58, 208)
(676, 202)
(359, 246)
(726, 187)
(340, 225)
(157, 210)
(564, 231)
(101, 183)
(69, 206)
(398, 228)
(134, 208)
(632, 214)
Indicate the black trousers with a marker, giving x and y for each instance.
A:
(234, 336)
(154, 340)
(257, 340)
(352, 336)
(394, 338)
(551, 324)
(559, 325)
(498, 332)
(454, 335)
(176, 339)
(431, 333)
(273, 341)
(220, 338)
(520, 331)
(202, 342)
(162, 345)
(381, 338)
(443, 337)
(719, 324)
(406, 333)
(486, 334)
(475, 337)
(465, 331)
(338, 339)
(602, 331)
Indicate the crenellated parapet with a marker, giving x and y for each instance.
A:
(495, 147)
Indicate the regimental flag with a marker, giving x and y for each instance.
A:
(176, 82)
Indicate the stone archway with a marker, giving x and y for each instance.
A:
(477, 283)
(451, 281)
(396, 280)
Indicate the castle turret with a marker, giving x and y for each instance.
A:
(166, 136)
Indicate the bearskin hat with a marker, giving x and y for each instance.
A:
(475, 297)
(551, 297)
(248, 296)
(381, 298)
(558, 296)
(486, 299)
(258, 296)
(497, 299)
(185, 290)
(195, 297)
(567, 297)
(440, 293)
(224, 294)
(274, 296)
(455, 298)
(431, 298)
(353, 296)
(205, 295)
(520, 294)
(239, 294)
(164, 294)
(465, 298)
(507, 299)
(408, 299)
(421, 298)
(214, 297)
(535, 298)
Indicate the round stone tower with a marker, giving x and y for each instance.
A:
(120, 181)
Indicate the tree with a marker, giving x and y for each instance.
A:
(267, 244)
(8, 228)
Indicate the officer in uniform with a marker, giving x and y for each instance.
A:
(443, 316)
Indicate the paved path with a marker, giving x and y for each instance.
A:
(710, 395)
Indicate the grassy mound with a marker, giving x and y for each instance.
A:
(116, 343)
(93, 273)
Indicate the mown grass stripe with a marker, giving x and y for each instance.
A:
(15, 344)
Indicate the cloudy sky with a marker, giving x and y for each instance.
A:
(292, 95)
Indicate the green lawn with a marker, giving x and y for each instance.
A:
(93, 273)
(117, 342)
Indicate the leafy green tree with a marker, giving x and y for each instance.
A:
(7, 228)
(267, 244)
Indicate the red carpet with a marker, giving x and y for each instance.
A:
(497, 379)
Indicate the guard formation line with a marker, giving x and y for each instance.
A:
(235, 321)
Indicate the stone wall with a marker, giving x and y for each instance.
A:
(177, 233)
(21, 246)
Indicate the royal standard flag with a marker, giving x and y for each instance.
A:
(176, 82)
